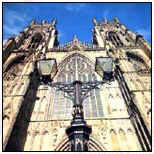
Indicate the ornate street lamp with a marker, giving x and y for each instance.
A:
(78, 132)
(47, 69)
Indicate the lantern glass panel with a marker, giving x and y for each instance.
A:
(46, 66)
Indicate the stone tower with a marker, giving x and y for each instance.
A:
(35, 116)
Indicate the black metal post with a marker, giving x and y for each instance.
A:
(79, 131)
(77, 88)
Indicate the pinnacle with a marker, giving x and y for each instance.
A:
(54, 21)
(75, 37)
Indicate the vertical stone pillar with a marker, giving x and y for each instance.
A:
(131, 34)
(51, 39)
(123, 27)
(19, 39)
(99, 38)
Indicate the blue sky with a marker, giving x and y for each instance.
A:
(76, 18)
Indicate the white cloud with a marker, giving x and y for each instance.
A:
(14, 22)
(4, 41)
(11, 30)
(74, 7)
(15, 17)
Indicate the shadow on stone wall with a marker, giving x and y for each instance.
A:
(18, 136)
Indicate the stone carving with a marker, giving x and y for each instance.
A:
(104, 132)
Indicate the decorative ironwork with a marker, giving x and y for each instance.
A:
(74, 67)
(77, 67)
(79, 131)
(46, 68)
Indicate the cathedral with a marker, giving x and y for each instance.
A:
(38, 111)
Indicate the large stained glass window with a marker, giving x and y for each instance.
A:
(59, 106)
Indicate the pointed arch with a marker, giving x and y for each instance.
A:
(138, 62)
(67, 58)
(40, 109)
(114, 140)
(132, 141)
(11, 71)
(114, 38)
(77, 67)
(84, 63)
(15, 60)
(94, 145)
(123, 140)
(35, 39)
(40, 33)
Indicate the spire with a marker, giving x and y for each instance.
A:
(116, 20)
(53, 22)
(33, 22)
(94, 21)
(43, 22)
(104, 20)
(75, 39)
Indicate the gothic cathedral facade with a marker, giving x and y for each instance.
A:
(35, 116)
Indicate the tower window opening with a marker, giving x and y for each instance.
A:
(115, 39)
(134, 57)
(127, 39)
(36, 39)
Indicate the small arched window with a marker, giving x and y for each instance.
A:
(35, 41)
(114, 38)
(134, 56)
(138, 62)
(114, 140)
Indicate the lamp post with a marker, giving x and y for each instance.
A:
(78, 132)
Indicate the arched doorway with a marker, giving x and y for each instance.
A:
(94, 145)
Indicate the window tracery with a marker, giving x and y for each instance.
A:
(35, 41)
(131, 137)
(114, 38)
(122, 138)
(60, 104)
(12, 72)
(114, 140)
(137, 62)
